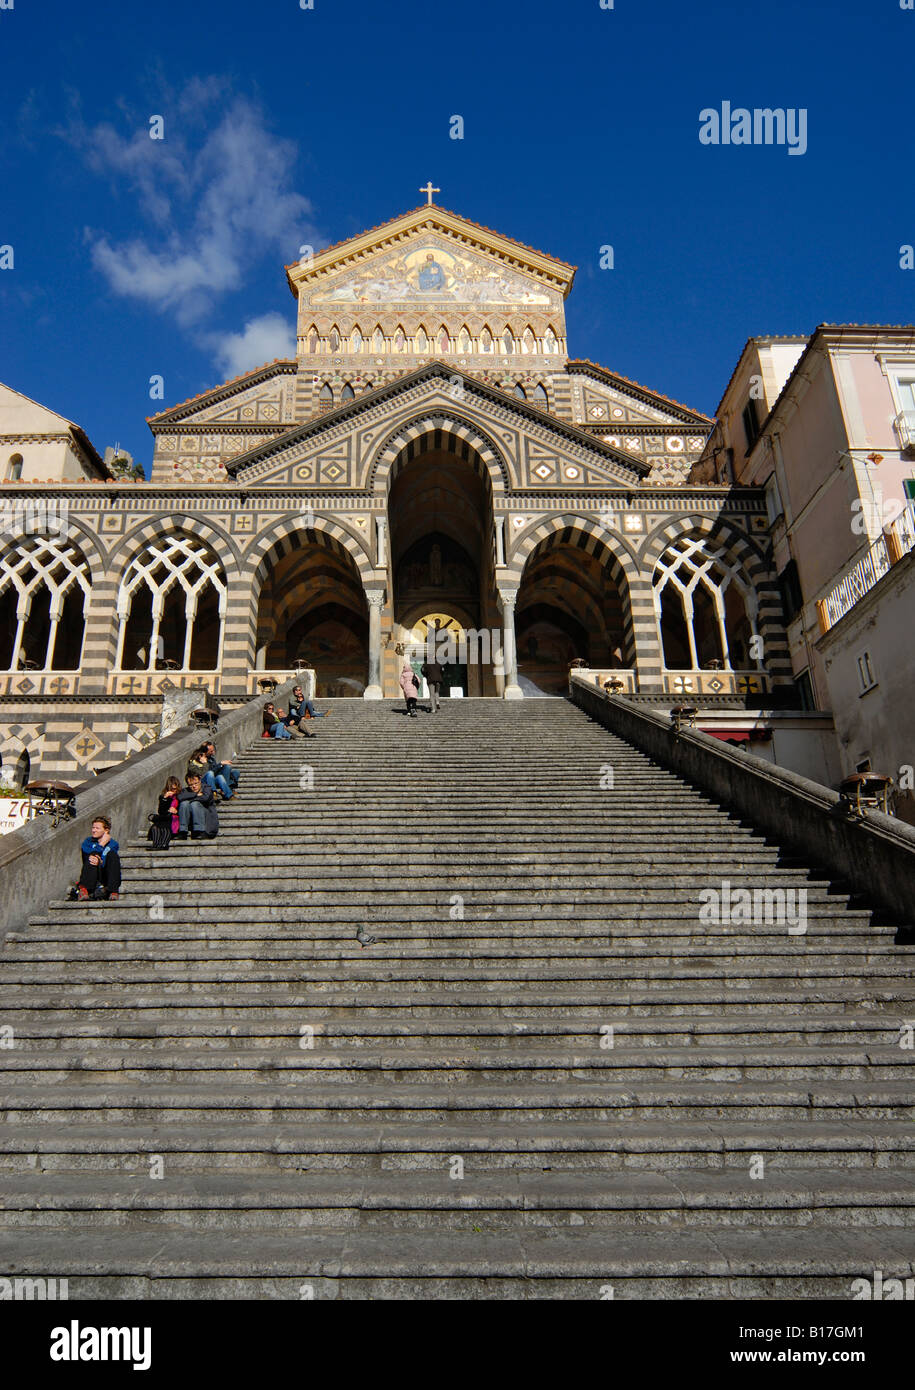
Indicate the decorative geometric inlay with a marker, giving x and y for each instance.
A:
(571, 472)
(618, 412)
(332, 472)
(243, 524)
(674, 443)
(543, 471)
(682, 683)
(167, 684)
(112, 524)
(518, 521)
(84, 746)
(25, 685)
(632, 521)
(716, 685)
(303, 473)
(597, 412)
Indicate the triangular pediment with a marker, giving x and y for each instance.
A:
(340, 450)
(391, 261)
(262, 395)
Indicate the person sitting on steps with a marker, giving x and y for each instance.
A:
(219, 776)
(275, 722)
(101, 873)
(164, 823)
(299, 707)
(197, 810)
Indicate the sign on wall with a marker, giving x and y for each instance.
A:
(14, 813)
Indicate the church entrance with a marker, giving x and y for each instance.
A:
(312, 609)
(443, 635)
(440, 525)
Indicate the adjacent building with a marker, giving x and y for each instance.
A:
(826, 427)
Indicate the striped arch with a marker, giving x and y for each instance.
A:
(567, 528)
(102, 627)
(271, 545)
(437, 430)
(741, 551)
(12, 746)
(596, 539)
(268, 549)
(191, 523)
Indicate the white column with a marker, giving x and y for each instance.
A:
(55, 614)
(154, 635)
(512, 688)
(500, 540)
(22, 616)
(375, 599)
(190, 615)
(380, 543)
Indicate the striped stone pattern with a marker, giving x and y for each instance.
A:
(770, 616)
(439, 432)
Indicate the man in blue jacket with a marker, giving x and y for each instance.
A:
(101, 874)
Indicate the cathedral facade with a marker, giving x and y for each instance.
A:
(432, 457)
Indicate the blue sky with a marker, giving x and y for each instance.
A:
(285, 126)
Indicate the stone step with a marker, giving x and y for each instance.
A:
(459, 1030)
(401, 1146)
(559, 1063)
(429, 1200)
(701, 1262)
(262, 1103)
(529, 999)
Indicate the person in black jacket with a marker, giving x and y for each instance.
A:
(434, 676)
(197, 809)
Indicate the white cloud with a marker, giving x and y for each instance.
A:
(217, 196)
(260, 341)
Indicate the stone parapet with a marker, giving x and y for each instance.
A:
(875, 856)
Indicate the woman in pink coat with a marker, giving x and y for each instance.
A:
(410, 688)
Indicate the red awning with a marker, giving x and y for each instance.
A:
(730, 735)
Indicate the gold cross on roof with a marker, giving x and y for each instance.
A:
(429, 190)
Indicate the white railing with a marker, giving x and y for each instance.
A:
(905, 429)
(897, 540)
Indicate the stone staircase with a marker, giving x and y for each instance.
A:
(442, 1114)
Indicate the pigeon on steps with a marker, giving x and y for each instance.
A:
(363, 937)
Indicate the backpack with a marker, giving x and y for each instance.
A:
(159, 833)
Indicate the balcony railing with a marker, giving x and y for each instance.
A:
(905, 431)
(897, 540)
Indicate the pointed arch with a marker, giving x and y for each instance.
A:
(508, 340)
(451, 432)
(356, 339)
(171, 606)
(347, 394)
(528, 340)
(313, 339)
(716, 539)
(45, 587)
(486, 339)
(443, 339)
(422, 340)
(465, 341)
(400, 342)
(378, 342)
